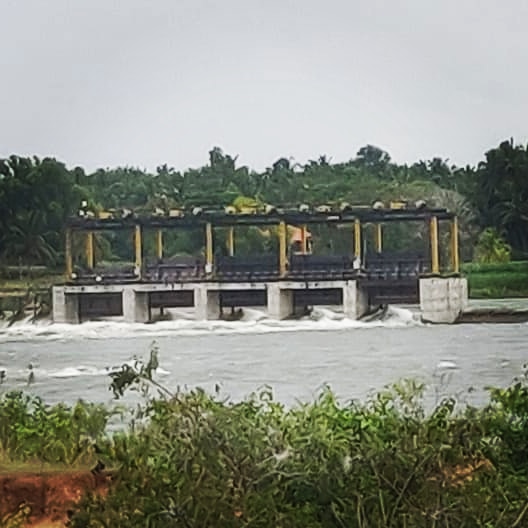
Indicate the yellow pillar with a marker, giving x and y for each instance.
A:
(357, 238)
(379, 238)
(283, 257)
(159, 244)
(137, 249)
(68, 253)
(455, 257)
(209, 247)
(231, 241)
(304, 240)
(90, 258)
(433, 232)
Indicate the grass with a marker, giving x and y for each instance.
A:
(497, 280)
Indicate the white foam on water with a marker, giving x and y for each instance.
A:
(85, 371)
(71, 371)
(253, 322)
(446, 364)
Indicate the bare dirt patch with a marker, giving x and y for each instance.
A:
(44, 499)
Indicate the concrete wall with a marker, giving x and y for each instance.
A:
(206, 302)
(355, 300)
(280, 301)
(135, 306)
(442, 300)
(65, 306)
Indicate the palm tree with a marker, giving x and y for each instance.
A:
(26, 241)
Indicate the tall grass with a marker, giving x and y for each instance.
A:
(497, 280)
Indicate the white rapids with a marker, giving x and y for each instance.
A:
(182, 324)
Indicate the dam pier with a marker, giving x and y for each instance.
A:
(286, 281)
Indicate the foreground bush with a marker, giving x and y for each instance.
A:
(193, 460)
(201, 462)
(59, 435)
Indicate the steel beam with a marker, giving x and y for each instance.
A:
(159, 244)
(231, 241)
(68, 254)
(138, 251)
(455, 256)
(283, 257)
(433, 234)
(90, 257)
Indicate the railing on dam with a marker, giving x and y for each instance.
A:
(396, 265)
(378, 267)
(366, 257)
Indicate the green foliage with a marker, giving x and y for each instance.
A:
(191, 459)
(59, 434)
(516, 267)
(501, 192)
(492, 248)
(200, 461)
(497, 280)
(17, 519)
(36, 196)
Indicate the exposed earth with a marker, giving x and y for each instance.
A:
(43, 499)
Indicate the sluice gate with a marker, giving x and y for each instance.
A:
(95, 304)
(291, 276)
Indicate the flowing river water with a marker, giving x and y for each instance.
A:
(295, 358)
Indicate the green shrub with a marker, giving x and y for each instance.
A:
(194, 460)
(198, 461)
(59, 434)
(492, 248)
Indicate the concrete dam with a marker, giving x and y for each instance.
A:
(285, 283)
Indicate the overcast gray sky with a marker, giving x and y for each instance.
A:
(101, 83)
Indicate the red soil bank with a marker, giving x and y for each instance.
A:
(46, 497)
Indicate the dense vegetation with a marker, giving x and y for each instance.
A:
(193, 460)
(37, 195)
(496, 280)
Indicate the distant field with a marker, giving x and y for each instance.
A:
(497, 280)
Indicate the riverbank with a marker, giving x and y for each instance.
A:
(495, 281)
(45, 499)
(207, 461)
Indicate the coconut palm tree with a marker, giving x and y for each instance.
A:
(26, 240)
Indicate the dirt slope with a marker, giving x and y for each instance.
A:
(44, 499)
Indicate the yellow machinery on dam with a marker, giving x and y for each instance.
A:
(292, 277)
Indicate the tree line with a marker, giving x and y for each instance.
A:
(38, 195)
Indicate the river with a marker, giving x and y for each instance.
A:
(295, 358)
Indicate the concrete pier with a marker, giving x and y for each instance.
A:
(280, 301)
(206, 303)
(355, 300)
(442, 300)
(136, 307)
(65, 306)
